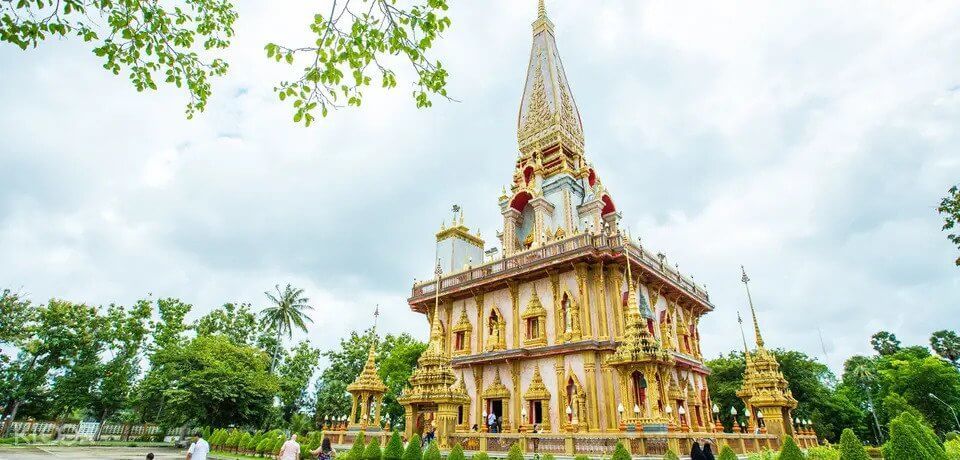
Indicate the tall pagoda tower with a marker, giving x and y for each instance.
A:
(573, 327)
(764, 390)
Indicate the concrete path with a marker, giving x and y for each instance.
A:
(89, 453)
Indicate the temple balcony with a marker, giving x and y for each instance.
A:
(649, 268)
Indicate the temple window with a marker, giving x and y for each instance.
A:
(496, 332)
(461, 334)
(535, 413)
(459, 415)
(534, 317)
(538, 402)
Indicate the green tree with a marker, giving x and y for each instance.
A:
(413, 451)
(210, 381)
(916, 379)
(789, 450)
(950, 210)
(149, 41)
(56, 355)
(952, 448)
(851, 448)
(127, 335)
(236, 322)
(372, 452)
(394, 449)
(433, 452)
(726, 453)
(287, 313)
(455, 454)
(946, 344)
(885, 343)
(480, 456)
(346, 57)
(170, 330)
(294, 375)
(16, 316)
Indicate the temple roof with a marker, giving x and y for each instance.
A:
(368, 380)
(548, 112)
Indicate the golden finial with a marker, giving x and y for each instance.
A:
(541, 10)
(756, 325)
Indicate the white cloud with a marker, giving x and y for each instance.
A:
(809, 142)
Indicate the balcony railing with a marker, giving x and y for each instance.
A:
(564, 248)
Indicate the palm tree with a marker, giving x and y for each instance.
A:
(287, 312)
(865, 374)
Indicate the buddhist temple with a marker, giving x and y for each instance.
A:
(574, 335)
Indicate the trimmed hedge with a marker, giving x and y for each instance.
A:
(413, 451)
(394, 449)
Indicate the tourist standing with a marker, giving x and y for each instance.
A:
(290, 449)
(324, 452)
(199, 449)
(708, 451)
(492, 422)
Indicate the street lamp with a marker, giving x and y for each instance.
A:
(948, 407)
(636, 410)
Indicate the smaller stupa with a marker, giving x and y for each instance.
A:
(367, 391)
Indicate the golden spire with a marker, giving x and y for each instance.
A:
(756, 326)
(541, 10)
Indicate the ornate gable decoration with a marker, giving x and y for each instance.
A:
(463, 323)
(497, 390)
(537, 391)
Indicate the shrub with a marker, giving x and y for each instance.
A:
(909, 439)
(790, 451)
(394, 449)
(480, 456)
(766, 454)
(233, 439)
(726, 453)
(670, 455)
(245, 439)
(581, 457)
(433, 452)
(823, 453)
(413, 451)
(372, 452)
(359, 445)
(875, 452)
(951, 435)
(456, 453)
(620, 452)
(263, 445)
(952, 447)
(551, 457)
(850, 446)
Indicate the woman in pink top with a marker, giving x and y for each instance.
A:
(290, 449)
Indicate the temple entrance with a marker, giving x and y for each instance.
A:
(536, 413)
(495, 407)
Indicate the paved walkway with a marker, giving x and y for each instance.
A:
(88, 453)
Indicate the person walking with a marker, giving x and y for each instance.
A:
(199, 449)
(290, 449)
(696, 453)
(708, 451)
(492, 422)
(324, 452)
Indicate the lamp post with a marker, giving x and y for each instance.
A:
(683, 418)
(623, 426)
(760, 424)
(671, 426)
(955, 420)
(717, 426)
(523, 419)
(483, 424)
(736, 420)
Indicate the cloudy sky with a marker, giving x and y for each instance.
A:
(808, 141)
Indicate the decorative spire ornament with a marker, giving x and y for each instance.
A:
(756, 325)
